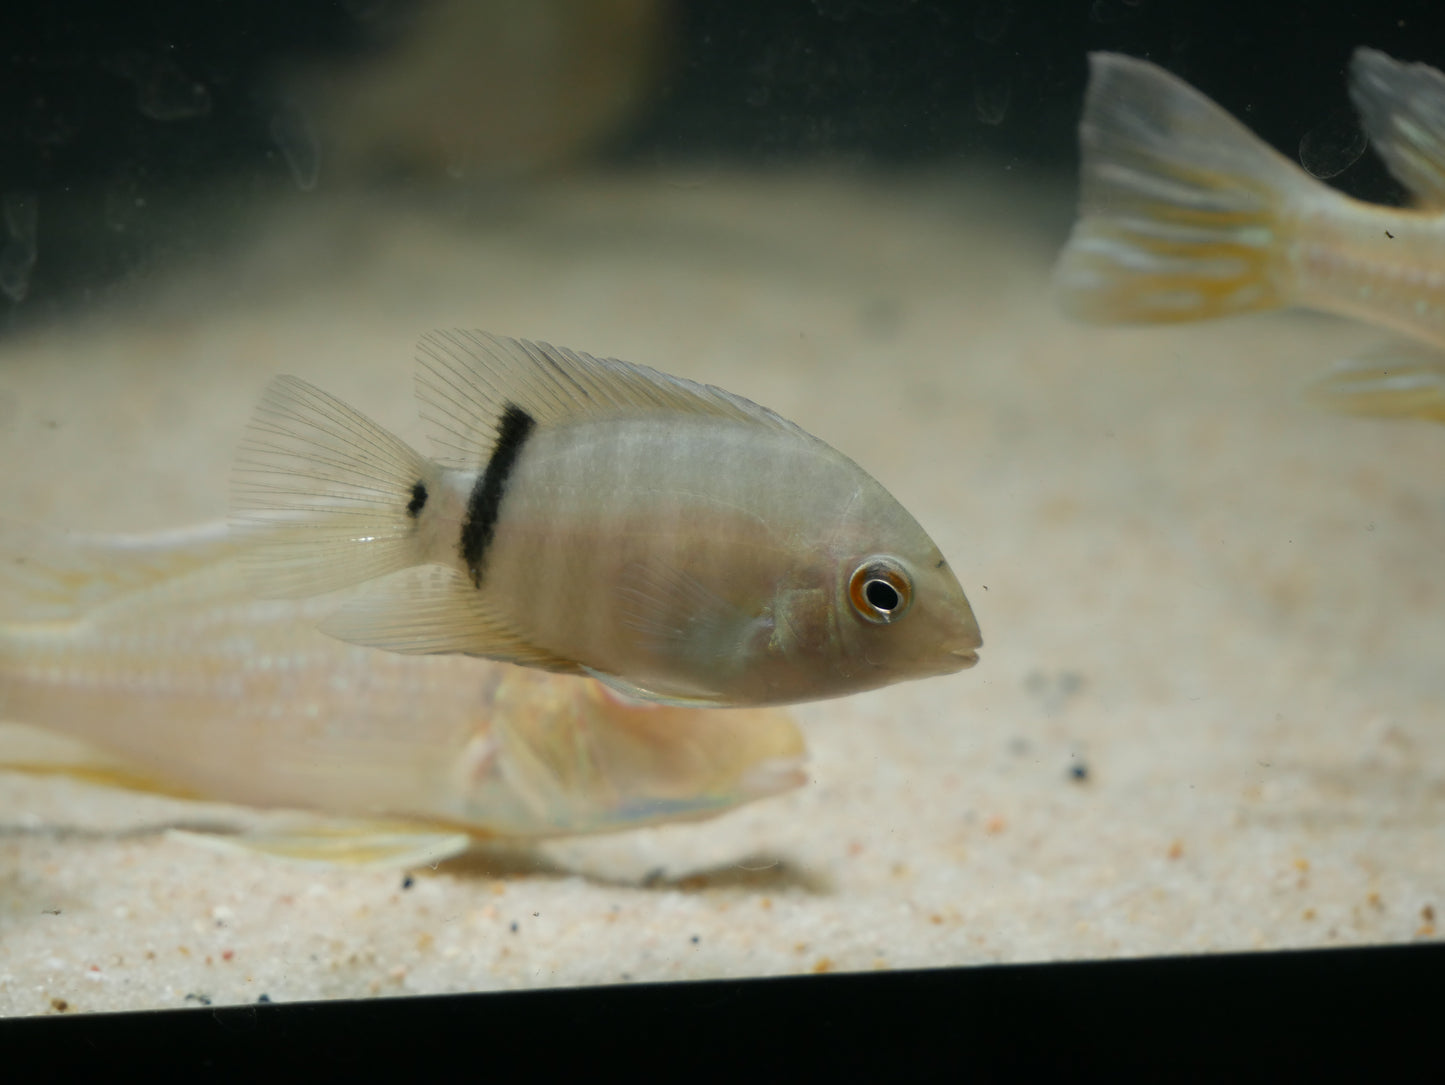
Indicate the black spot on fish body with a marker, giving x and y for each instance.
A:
(418, 500)
(485, 503)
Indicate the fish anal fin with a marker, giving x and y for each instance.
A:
(430, 610)
(466, 381)
(1403, 110)
(1397, 380)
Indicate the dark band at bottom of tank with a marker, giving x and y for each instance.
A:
(485, 503)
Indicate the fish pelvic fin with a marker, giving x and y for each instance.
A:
(329, 498)
(1397, 380)
(1182, 210)
(363, 844)
(1403, 110)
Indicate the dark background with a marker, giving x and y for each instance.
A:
(858, 84)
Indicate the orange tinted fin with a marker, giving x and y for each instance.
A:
(1179, 210)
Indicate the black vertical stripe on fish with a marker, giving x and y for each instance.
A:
(485, 503)
(418, 500)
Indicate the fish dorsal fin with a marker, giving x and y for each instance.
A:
(431, 610)
(467, 380)
(51, 576)
(1403, 110)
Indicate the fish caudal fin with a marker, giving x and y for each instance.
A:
(1402, 107)
(1401, 380)
(1179, 210)
(331, 498)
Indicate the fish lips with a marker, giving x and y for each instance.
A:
(967, 657)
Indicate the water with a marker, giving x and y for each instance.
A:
(1206, 716)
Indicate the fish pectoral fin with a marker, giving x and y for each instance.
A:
(1403, 110)
(382, 845)
(433, 610)
(467, 380)
(1397, 380)
(675, 614)
(679, 619)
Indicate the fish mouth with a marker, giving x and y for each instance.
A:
(773, 776)
(967, 657)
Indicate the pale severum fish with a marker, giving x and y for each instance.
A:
(587, 515)
(1185, 214)
(154, 650)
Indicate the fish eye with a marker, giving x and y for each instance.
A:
(880, 590)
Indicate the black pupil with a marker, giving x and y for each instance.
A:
(881, 594)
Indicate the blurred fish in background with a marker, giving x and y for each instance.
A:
(478, 88)
(1184, 214)
(127, 144)
(152, 650)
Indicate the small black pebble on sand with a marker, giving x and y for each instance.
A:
(1078, 772)
(696, 939)
(514, 926)
(264, 998)
(408, 882)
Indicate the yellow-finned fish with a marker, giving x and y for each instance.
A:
(153, 649)
(587, 515)
(1185, 214)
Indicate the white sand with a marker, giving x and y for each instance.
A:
(1229, 607)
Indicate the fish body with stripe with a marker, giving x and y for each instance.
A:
(1185, 215)
(591, 516)
(154, 650)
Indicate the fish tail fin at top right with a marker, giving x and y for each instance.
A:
(329, 498)
(1182, 210)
